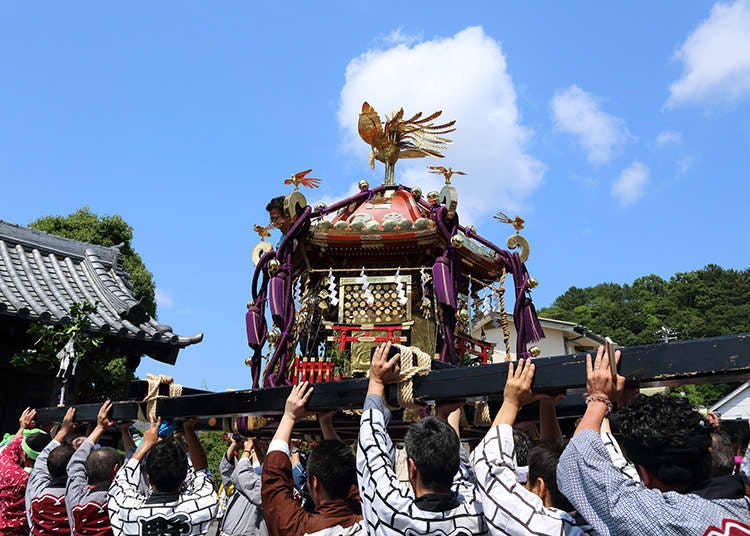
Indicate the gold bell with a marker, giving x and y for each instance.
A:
(249, 361)
(457, 240)
(364, 185)
(250, 304)
(463, 314)
(535, 351)
(274, 336)
(433, 198)
(533, 283)
(273, 266)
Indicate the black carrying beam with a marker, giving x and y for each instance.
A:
(711, 360)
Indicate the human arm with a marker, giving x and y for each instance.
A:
(128, 444)
(548, 423)
(226, 467)
(40, 478)
(244, 477)
(602, 390)
(375, 453)
(195, 449)
(150, 438)
(281, 512)
(26, 421)
(325, 420)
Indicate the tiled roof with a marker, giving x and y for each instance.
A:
(42, 275)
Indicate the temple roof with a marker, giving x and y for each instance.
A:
(43, 275)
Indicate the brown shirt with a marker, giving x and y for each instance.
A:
(285, 517)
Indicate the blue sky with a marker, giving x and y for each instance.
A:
(620, 133)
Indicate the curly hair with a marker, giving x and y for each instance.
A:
(666, 436)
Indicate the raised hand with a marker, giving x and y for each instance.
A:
(296, 401)
(102, 419)
(27, 420)
(599, 380)
(518, 384)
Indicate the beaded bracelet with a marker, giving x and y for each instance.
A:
(599, 398)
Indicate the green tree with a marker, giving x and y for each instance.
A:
(708, 302)
(215, 447)
(85, 226)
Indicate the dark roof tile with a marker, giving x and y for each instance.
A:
(43, 275)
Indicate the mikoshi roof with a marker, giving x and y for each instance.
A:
(43, 275)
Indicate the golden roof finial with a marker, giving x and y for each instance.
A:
(415, 137)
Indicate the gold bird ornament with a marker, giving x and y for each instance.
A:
(415, 137)
(447, 173)
(516, 222)
(300, 178)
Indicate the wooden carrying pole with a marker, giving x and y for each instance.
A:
(710, 360)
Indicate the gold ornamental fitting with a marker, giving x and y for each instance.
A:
(471, 229)
(533, 283)
(535, 351)
(416, 193)
(364, 185)
(457, 240)
(319, 206)
(250, 304)
(249, 361)
(433, 198)
(463, 315)
(273, 266)
(274, 336)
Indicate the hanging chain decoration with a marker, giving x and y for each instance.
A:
(400, 292)
(366, 292)
(333, 297)
(426, 304)
(469, 322)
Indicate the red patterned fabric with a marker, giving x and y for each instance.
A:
(91, 519)
(13, 481)
(49, 516)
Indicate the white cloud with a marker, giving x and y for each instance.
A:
(667, 137)
(579, 113)
(466, 76)
(715, 57)
(630, 186)
(163, 299)
(399, 37)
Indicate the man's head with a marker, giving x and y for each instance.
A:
(432, 449)
(275, 209)
(57, 462)
(543, 459)
(668, 441)
(722, 455)
(32, 445)
(331, 471)
(166, 466)
(101, 466)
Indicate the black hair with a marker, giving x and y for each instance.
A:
(166, 466)
(276, 202)
(543, 460)
(38, 441)
(334, 465)
(57, 461)
(522, 443)
(722, 454)
(668, 437)
(100, 465)
(434, 447)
